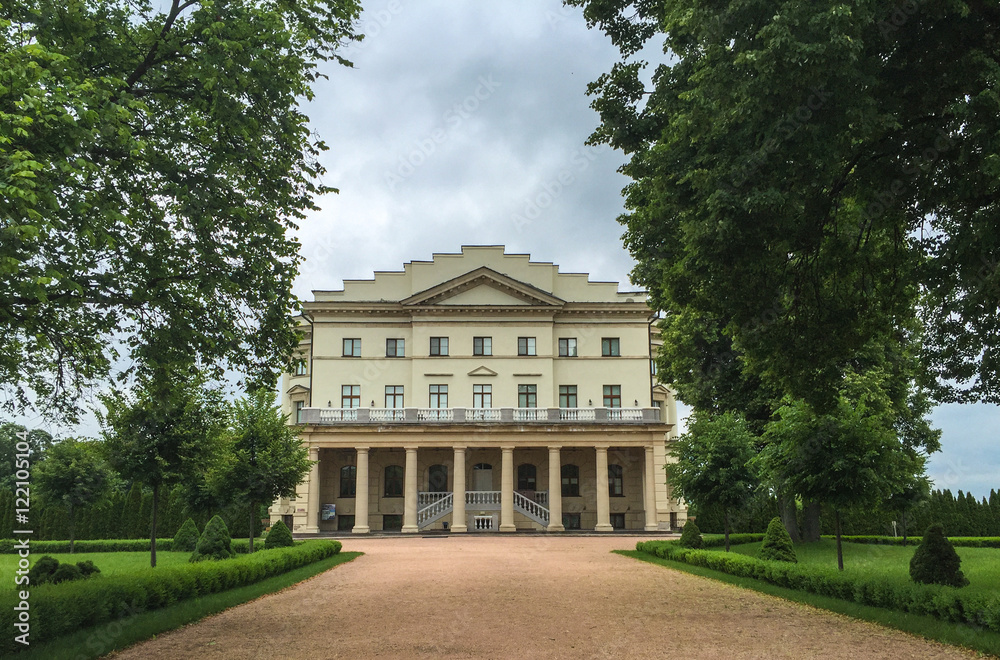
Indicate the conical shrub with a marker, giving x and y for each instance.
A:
(777, 545)
(42, 570)
(691, 536)
(186, 538)
(214, 543)
(935, 560)
(278, 537)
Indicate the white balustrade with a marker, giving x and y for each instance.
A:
(482, 498)
(530, 508)
(435, 509)
(530, 414)
(625, 414)
(576, 414)
(386, 414)
(435, 414)
(482, 523)
(449, 415)
(482, 414)
(424, 498)
(338, 414)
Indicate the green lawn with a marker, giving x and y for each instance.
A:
(980, 565)
(110, 563)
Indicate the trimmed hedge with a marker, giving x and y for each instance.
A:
(719, 540)
(58, 610)
(241, 546)
(945, 603)
(957, 541)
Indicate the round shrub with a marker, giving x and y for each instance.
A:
(935, 560)
(278, 537)
(87, 568)
(43, 569)
(777, 544)
(691, 536)
(214, 543)
(66, 573)
(186, 538)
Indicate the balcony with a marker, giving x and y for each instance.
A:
(345, 416)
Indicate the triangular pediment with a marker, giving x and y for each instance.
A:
(482, 371)
(297, 389)
(484, 287)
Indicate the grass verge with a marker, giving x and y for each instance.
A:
(101, 640)
(982, 641)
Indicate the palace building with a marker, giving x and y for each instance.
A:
(480, 391)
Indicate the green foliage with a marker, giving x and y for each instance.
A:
(935, 560)
(214, 542)
(70, 607)
(172, 126)
(87, 568)
(66, 573)
(957, 541)
(10, 434)
(186, 537)
(48, 570)
(946, 603)
(72, 473)
(279, 536)
(691, 536)
(42, 570)
(777, 545)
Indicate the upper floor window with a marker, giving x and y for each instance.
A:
(525, 345)
(439, 346)
(482, 345)
(567, 396)
(438, 396)
(612, 396)
(299, 405)
(393, 482)
(393, 396)
(610, 347)
(348, 481)
(395, 348)
(616, 481)
(653, 368)
(482, 396)
(527, 396)
(567, 347)
(352, 348)
(570, 481)
(350, 396)
(301, 367)
(527, 476)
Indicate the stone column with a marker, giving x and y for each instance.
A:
(410, 492)
(555, 491)
(312, 501)
(649, 491)
(458, 492)
(603, 505)
(361, 494)
(507, 491)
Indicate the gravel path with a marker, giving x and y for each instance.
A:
(523, 597)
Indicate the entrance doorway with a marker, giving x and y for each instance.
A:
(482, 476)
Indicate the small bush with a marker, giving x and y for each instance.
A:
(186, 538)
(214, 542)
(87, 568)
(278, 537)
(691, 536)
(777, 545)
(66, 573)
(43, 570)
(935, 560)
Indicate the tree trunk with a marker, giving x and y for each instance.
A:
(727, 528)
(72, 528)
(786, 509)
(810, 521)
(840, 550)
(251, 526)
(904, 527)
(152, 532)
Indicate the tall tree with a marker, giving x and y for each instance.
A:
(713, 463)
(823, 160)
(75, 474)
(163, 432)
(39, 442)
(153, 158)
(267, 458)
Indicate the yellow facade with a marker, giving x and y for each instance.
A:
(480, 391)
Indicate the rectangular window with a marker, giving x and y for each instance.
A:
(395, 348)
(352, 348)
(392, 522)
(439, 396)
(617, 520)
(350, 396)
(393, 396)
(612, 396)
(567, 396)
(482, 396)
(345, 523)
(610, 347)
(439, 346)
(525, 345)
(527, 396)
(301, 367)
(616, 481)
(571, 520)
(567, 347)
(299, 405)
(482, 345)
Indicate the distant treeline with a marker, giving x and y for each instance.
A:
(961, 515)
(121, 515)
